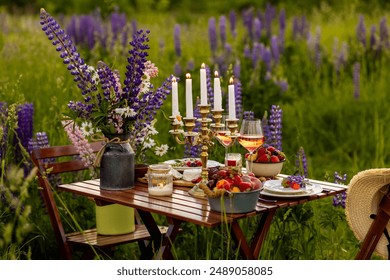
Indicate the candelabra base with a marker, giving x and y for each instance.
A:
(196, 191)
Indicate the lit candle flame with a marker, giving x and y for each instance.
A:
(160, 185)
(174, 80)
(231, 81)
(216, 74)
(188, 76)
(203, 65)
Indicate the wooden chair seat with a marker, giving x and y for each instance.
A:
(90, 237)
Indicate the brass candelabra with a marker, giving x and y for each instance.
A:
(209, 128)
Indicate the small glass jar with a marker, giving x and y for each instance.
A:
(160, 180)
(233, 160)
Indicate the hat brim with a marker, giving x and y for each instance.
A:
(366, 190)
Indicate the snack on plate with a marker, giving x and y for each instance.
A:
(187, 162)
(295, 182)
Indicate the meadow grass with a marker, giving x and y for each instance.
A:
(320, 113)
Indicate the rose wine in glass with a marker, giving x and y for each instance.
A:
(251, 137)
(223, 134)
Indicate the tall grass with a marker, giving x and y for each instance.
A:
(338, 131)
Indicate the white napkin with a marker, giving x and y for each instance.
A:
(191, 174)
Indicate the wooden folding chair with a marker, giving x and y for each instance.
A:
(376, 230)
(89, 241)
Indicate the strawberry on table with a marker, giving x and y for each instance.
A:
(274, 158)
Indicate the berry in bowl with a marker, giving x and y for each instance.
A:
(230, 191)
(267, 161)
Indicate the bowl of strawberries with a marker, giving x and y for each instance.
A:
(266, 162)
(230, 191)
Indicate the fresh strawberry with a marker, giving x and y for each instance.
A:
(188, 163)
(295, 186)
(230, 180)
(245, 186)
(237, 180)
(222, 173)
(261, 151)
(274, 158)
(270, 149)
(263, 158)
(197, 180)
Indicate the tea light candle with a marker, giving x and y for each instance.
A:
(203, 85)
(189, 107)
(175, 98)
(161, 190)
(232, 101)
(217, 92)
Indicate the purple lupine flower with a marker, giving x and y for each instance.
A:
(266, 129)
(237, 69)
(177, 69)
(383, 33)
(361, 31)
(356, 80)
(275, 49)
(267, 59)
(213, 35)
(190, 65)
(210, 91)
(109, 82)
(340, 199)
(247, 17)
(247, 51)
(68, 52)
(257, 26)
(256, 53)
(269, 15)
(134, 26)
(373, 39)
(232, 18)
(248, 115)
(301, 162)
(118, 23)
(238, 97)
(282, 84)
(222, 29)
(176, 37)
(300, 28)
(41, 141)
(25, 123)
(275, 127)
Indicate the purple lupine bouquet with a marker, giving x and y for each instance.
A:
(106, 105)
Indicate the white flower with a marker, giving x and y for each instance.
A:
(149, 144)
(94, 74)
(161, 150)
(87, 129)
(129, 112)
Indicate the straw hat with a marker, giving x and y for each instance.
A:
(366, 190)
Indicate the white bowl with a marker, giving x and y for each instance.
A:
(265, 169)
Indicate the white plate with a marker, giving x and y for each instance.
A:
(179, 164)
(275, 188)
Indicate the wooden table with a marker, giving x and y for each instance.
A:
(182, 207)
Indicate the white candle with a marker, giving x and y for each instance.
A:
(189, 106)
(217, 93)
(175, 98)
(232, 101)
(203, 85)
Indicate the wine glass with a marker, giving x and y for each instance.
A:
(251, 137)
(223, 134)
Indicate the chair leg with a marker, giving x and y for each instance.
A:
(376, 229)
